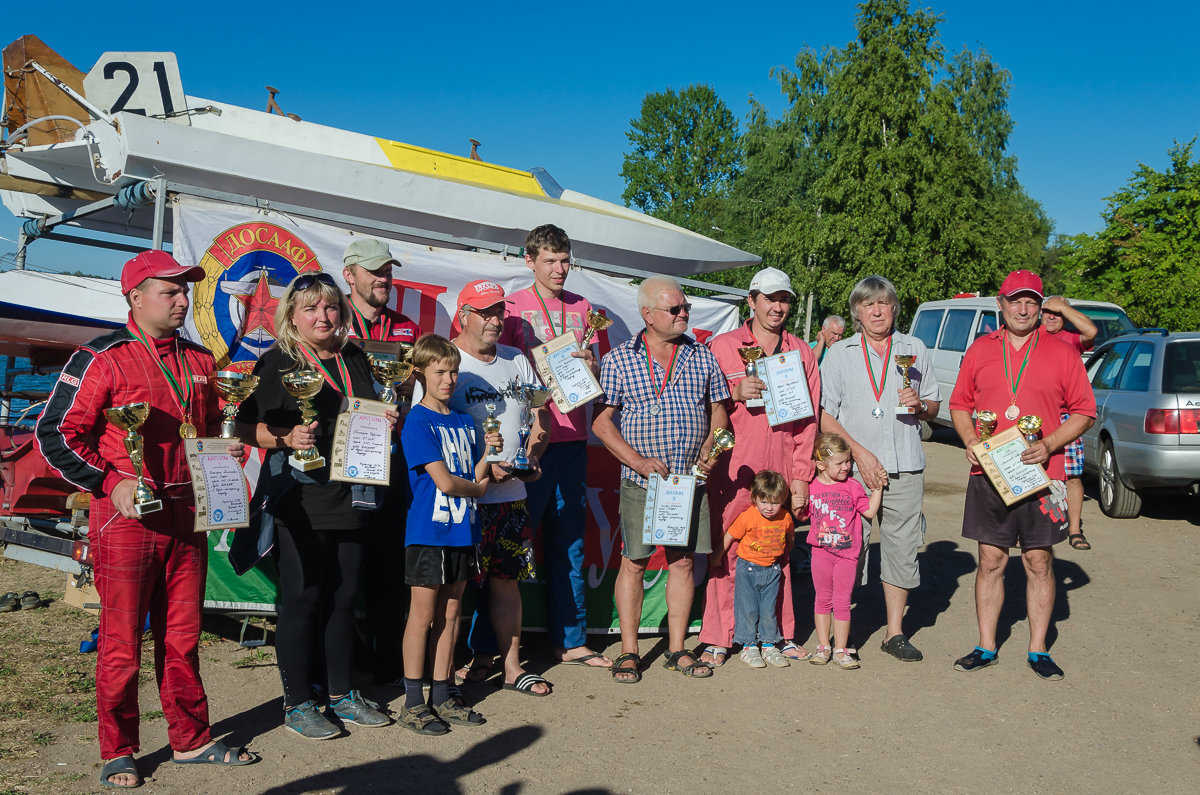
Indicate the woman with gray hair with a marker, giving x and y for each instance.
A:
(868, 401)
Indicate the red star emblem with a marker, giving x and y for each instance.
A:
(260, 308)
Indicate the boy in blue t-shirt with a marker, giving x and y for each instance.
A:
(447, 473)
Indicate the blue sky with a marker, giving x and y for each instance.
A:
(1096, 88)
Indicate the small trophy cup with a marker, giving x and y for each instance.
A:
(596, 322)
(905, 361)
(987, 423)
(1029, 425)
(491, 425)
(129, 418)
(751, 356)
(530, 396)
(389, 373)
(722, 441)
(303, 384)
(233, 387)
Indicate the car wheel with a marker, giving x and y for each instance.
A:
(926, 431)
(1116, 499)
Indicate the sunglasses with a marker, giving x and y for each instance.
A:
(494, 311)
(675, 310)
(309, 279)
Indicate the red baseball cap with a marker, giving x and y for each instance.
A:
(155, 264)
(1022, 282)
(480, 294)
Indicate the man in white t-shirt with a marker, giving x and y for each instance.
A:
(485, 376)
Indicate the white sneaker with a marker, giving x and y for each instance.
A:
(775, 657)
(751, 656)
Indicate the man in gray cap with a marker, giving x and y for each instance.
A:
(368, 271)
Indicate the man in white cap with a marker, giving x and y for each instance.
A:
(786, 449)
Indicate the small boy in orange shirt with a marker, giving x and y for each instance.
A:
(765, 533)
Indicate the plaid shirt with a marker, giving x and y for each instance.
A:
(676, 433)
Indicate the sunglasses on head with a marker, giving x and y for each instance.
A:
(309, 279)
(675, 310)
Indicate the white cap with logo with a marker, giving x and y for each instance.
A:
(771, 280)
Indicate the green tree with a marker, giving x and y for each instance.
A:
(685, 156)
(1147, 258)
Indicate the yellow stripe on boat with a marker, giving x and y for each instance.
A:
(419, 160)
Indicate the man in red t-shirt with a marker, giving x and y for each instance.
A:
(1014, 371)
(1054, 309)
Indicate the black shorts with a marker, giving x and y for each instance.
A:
(1039, 521)
(426, 565)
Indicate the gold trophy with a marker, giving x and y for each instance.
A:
(129, 418)
(751, 356)
(491, 425)
(596, 322)
(303, 384)
(905, 361)
(722, 441)
(390, 373)
(1029, 425)
(233, 387)
(987, 423)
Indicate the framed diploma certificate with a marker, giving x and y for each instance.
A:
(1000, 458)
(786, 396)
(571, 381)
(222, 499)
(668, 518)
(362, 443)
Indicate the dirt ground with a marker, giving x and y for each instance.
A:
(1124, 719)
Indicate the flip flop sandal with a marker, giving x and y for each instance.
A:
(422, 721)
(30, 600)
(584, 661)
(475, 673)
(450, 712)
(220, 754)
(122, 764)
(715, 652)
(628, 676)
(1079, 541)
(803, 653)
(671, 663)
(525, 684)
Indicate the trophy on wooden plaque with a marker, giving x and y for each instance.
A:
(129, 418)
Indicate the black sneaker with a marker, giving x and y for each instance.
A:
(1043, 666)
(975, 661)
(899, 647)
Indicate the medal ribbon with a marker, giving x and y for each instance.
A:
(1029, 348)
(314, 360)
(366, 333)
(878, 390)
(650, 366)
(562, 314)
(183, 395)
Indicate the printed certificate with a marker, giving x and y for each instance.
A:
(786, 395)
(1000, 458)
(362, 443)
(222, 499)
(668, 517)
(571, 381)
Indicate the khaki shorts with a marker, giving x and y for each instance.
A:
(633, 509)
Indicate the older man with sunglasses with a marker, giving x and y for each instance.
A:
(664, 395)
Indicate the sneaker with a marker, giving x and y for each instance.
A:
(821, 655)
(752, 657)
(307, 721)
(899, 647)
(975, 661)
(845, 659)
(1043, 666)
(774, 656)
(359, 711)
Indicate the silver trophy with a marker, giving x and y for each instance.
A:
(530, 396)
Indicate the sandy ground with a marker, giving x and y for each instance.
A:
(1124, 719)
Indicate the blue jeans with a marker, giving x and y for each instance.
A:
(755, 592)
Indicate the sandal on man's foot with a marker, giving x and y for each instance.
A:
(475, 672)
(459, 715)
(794, 652)
(122, 764)
(525, 684)
(219, 754)
(422, 721)
(1079, 541)
(697, 669)
(714, 652)
(627, 676)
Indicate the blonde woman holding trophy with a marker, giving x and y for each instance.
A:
(316, 526)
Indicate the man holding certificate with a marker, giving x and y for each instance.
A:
(557, 500)
(1018, 372)
(784, 448)
(664, 396)
(876, 387)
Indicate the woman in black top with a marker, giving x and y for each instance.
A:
(320, 525)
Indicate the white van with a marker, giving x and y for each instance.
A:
(948, 328)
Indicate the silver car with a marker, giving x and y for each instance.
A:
(1145, 438)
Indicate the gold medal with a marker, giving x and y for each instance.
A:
(187, 430)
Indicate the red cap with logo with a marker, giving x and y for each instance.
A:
(480, 294)
(155, 264)
(1022, 282)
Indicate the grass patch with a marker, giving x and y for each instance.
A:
(256, 657)
(152, 714)
(43, 739)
